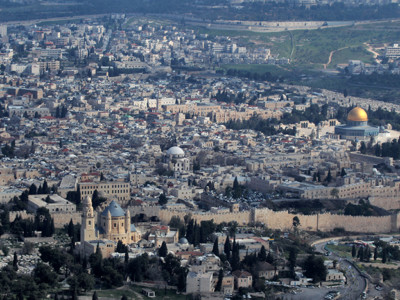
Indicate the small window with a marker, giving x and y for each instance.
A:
(115, 225)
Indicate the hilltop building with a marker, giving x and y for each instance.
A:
(357, 127)
(176, 160)
(113, 224)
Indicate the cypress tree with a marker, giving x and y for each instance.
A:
(353, 251)
(219, 282)
(196, 240)
(367, 254)
(94, 297)
(215, 249)
(46, 189)
(262, 255)
(15, 261)
(235, 259)
(32, 189)
(163, 251)
(270, 258)
(126, 255)
(360, 254)
(376, 253)
(227, 248)
(190, 232)
(384, 256)
(70, 229)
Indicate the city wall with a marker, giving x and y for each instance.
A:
(387, 203)
(283, 220)
(243, 217)
(60, 219)
(146, 210)
(63, 219)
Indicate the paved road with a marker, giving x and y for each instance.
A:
(350, 291)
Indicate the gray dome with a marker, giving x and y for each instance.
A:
(183, 241)
(175, 151)
(115, 210)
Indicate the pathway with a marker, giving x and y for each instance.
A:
(330, 56)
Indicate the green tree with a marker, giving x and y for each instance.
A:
(384, 255)
(227, 248)
(163, 251)
(315, 268)
(45, 188)
(121, 247)
(85, 281)
(262, 255)
(296, 222)
(363, 148)
(126, 255)
(292, 261)
(376, 253)
(32, 189)
(367, 254)
(335, 193)
(162, 199)
(235, 259)
(71, 229)
(329, 177)
(353, 251)
(219, 282)
(44, 274)
(270, 258)
(95, 297)
(15, 261)
(215, 249)
(360, 254)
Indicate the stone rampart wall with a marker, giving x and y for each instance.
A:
(63, 219)
(387, 203)
(22, 213)
(283, 220)
(242, 218)
(149, 211)
(326, 222)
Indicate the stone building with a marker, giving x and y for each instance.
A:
(357, 127)
(119, 189)
(113, 224)
(176, 160)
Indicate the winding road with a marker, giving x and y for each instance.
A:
(330, 56)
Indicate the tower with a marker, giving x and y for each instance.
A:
(128, 224)
(88, 232)
(108, 225)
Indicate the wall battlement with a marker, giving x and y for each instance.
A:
(283, 220)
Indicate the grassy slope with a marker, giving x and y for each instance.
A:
(312, 47)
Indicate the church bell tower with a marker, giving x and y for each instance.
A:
(88, 232)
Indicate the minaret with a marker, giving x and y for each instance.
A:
(88, 232)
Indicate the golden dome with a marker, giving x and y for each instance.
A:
(357, 114)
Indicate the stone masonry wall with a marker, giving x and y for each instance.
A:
(283, 220)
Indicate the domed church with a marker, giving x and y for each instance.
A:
(113, 224)
(357, 127)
